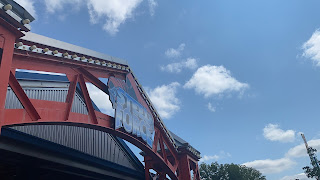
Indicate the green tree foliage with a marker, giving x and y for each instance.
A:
(215, 171)
(314, 171)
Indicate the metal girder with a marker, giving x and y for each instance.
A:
(71, 92)
(50, 112)
(95, 81)
(23, 98)
(163, 150)
(87, 99)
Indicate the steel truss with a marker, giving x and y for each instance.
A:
(163, 157)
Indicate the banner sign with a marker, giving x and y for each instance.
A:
(129, 113)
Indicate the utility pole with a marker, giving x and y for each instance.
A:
(312, 155)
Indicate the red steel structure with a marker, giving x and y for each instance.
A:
(164, 156)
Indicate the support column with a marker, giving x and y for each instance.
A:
(147, 167)
(5, 65)
(8, 38)
(196, 172)
(184, 168)
(162, 176)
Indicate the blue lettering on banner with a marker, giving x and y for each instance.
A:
(131, 115)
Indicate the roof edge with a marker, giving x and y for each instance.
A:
(44, 40)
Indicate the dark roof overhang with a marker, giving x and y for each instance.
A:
(16, 15)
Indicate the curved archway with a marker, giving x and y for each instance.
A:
(123, 135)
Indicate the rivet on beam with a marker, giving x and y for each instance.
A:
(45, 50)
(25, 21)
(33, 47)
(65, 54)
(74, 56)
(83, 58)
(97, 61)
(19, 44)
(7, 7)
(55, 52)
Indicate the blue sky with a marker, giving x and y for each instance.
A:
(239, 80)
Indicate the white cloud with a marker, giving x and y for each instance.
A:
(311, 48)
(115, 12)
(269, 166)
(214, 80)
(272, 132)
(175, 53)
(28, 5)
(190, 63)
(152, 5)
(211, 108)
(209, 158)
(101, 99)
(173, 67)
(56, 5)
(301, 176)
(112, 13)
(300, 150)
(221, 155)
(165, 100)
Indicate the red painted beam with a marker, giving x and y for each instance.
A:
(94, 80)
(147, 167)
(43, 62)
(8, 34)
(71, 93)
(87, 99)
(174, 155)
(23, 98)
(8, 39)
(184, 168)
(9, 27)
(155, 140)
(163, 150)
(197, 173)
